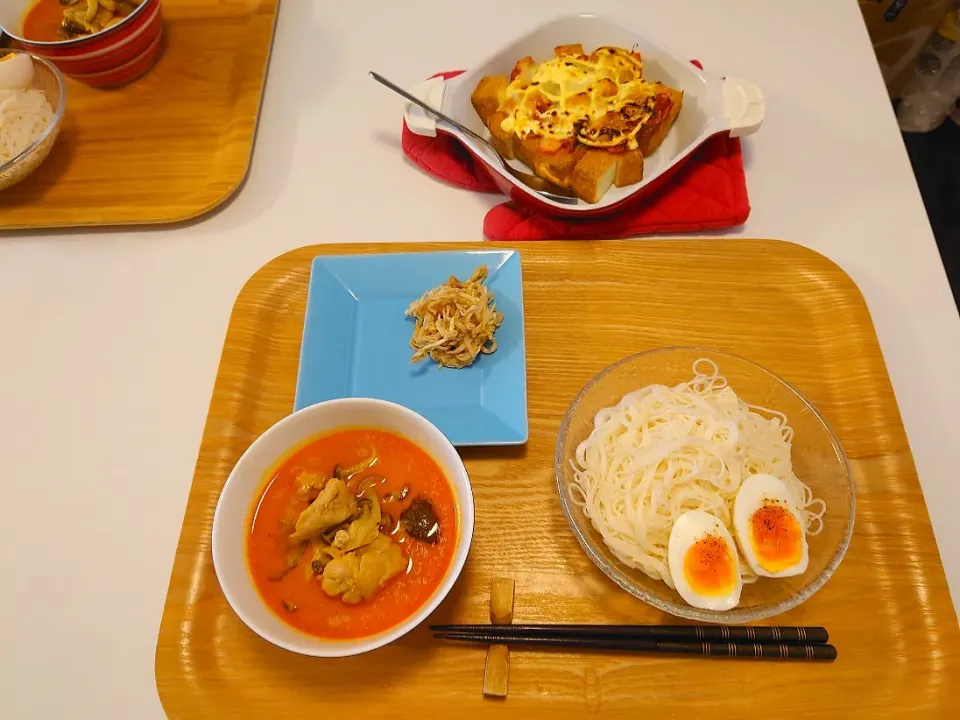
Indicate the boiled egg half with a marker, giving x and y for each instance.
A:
(769, 527)
(16, 72)
(703, 562)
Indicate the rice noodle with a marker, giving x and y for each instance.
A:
(664, 450)
(24, 116)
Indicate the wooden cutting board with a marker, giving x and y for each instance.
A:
(172, 145)
(587, 305)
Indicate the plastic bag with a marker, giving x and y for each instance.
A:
(931, 94)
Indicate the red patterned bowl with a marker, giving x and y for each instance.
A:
(112, 57)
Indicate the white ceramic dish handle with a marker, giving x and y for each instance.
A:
(418, 120)
(743, 105)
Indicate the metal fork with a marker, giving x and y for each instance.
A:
(543, 187)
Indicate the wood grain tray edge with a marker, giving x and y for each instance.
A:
(216, 198)
(893, 566)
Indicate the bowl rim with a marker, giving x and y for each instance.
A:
(728, 617)
(73, 41)
(334, 648)
(57, 115)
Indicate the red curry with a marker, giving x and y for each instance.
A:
(42, 21)
(295, 595)
(55, 21)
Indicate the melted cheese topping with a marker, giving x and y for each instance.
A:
(602, 100)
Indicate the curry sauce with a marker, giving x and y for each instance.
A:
(403, 479)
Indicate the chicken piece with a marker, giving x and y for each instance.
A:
(420, 521)
(75, 20)
(321, 557)
(380, 562)
(364, 529)
(340, 577)
(334, 505)
(78, 19)
(359, 575)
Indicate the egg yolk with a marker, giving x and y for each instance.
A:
(776, 537)
(709, 567)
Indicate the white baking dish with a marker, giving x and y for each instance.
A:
(711, 105)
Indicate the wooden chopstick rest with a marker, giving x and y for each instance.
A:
(496, 671)
(501, 601)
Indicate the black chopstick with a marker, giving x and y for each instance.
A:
(678, 633)
(780, 651)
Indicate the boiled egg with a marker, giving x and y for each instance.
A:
(703, 562)
(769, 527)
(16, 72)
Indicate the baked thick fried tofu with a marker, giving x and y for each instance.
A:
(489, 95)
(573, 49)
(556, 160)
(526, 150)
(572, 123)
(594, 174)
(522, 64)
(502, 140)
(629, 168)
(595, 55)
(653, 132)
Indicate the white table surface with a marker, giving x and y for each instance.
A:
(110, 340)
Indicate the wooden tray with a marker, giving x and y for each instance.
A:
(168, 147)
(588, 304)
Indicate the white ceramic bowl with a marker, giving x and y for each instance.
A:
(247, 481)
(711, 105)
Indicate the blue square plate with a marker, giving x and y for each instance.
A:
(356, 343)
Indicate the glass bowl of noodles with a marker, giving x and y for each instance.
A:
(673, 430)
(32, 102)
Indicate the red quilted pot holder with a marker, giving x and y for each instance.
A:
(708, 192)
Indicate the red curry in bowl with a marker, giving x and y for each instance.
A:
(101, 43)
(353, 533)
(57, 20)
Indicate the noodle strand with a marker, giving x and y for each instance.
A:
(662, 451)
